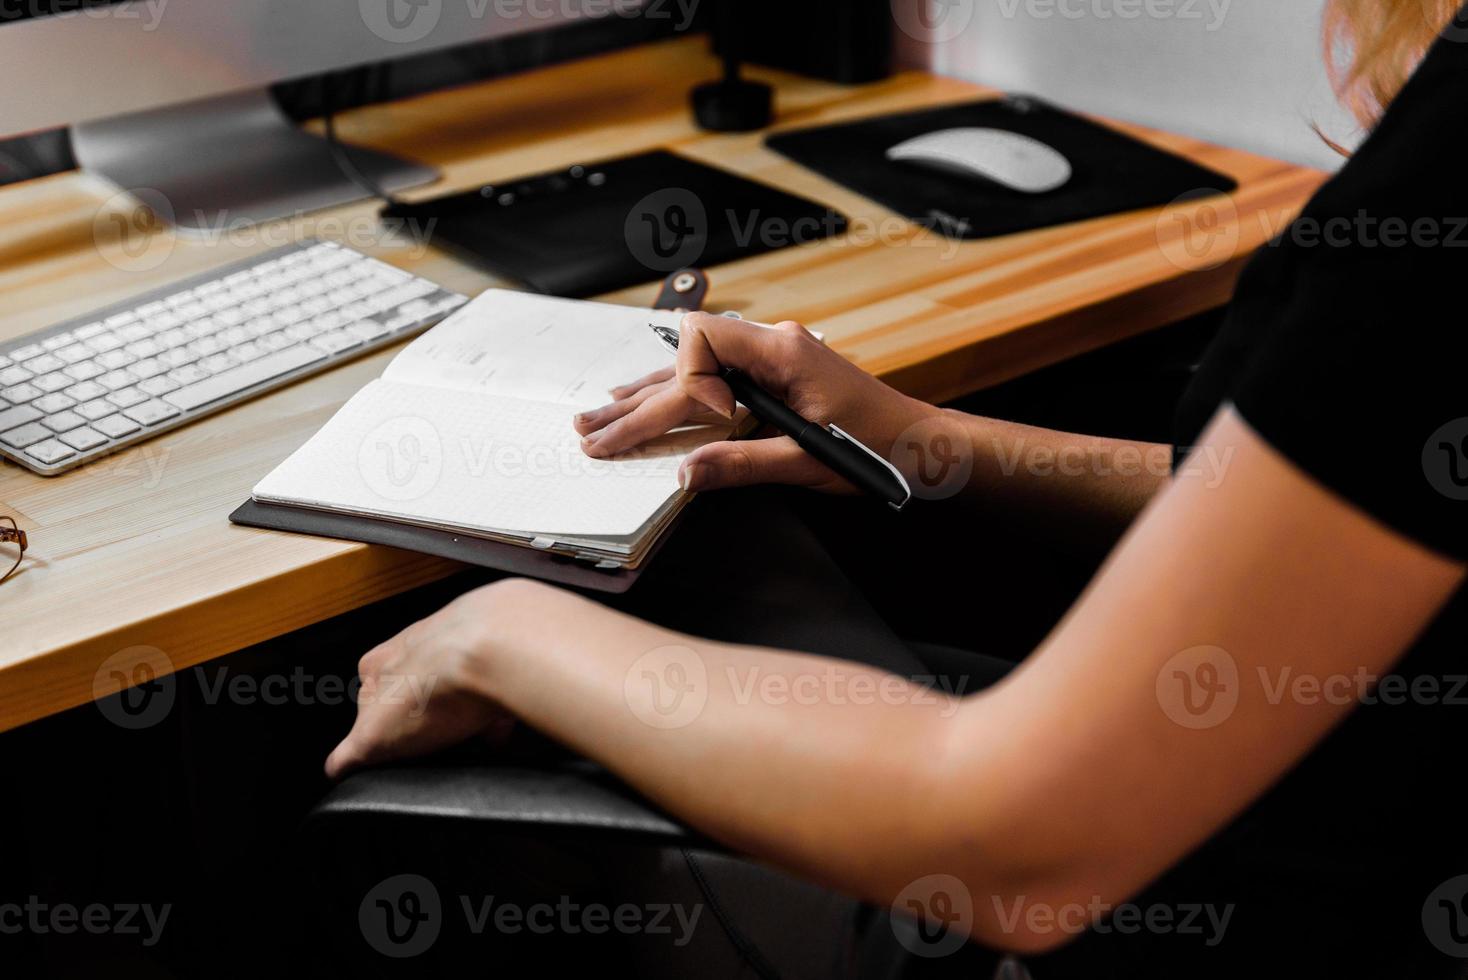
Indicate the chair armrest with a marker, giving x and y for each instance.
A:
(577, 799)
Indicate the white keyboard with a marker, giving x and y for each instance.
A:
(80, 390)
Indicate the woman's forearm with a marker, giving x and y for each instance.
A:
(801, 760)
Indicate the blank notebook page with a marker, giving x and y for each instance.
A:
(470, 427)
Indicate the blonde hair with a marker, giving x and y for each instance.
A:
(1372, 47)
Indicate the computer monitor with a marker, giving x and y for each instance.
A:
(171, 95)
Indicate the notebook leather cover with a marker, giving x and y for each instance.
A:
(508, 558)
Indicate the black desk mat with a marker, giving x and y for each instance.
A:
(1113, 172)
(603, 226)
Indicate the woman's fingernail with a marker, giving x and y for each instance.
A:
(687, 475)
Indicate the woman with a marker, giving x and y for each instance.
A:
(1248, 716)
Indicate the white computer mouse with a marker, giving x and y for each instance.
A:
(1010, 159)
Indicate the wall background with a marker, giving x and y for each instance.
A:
(1245, 73)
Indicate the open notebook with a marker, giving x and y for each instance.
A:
(469, 430)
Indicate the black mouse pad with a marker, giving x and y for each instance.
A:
(1112, 172)
(602, 226)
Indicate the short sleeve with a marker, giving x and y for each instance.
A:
(1358, 371)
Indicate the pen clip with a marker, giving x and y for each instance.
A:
(840, 433)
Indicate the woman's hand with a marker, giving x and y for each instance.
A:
(787, 361)
(420, 690)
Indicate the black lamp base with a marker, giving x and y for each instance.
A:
(733, 106)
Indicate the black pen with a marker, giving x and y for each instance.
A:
(839, 450)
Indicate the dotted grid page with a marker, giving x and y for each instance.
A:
(539, 348)
(475, 460)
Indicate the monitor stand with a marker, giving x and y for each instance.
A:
(228, 162)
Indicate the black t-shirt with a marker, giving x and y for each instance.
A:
(1345, 350)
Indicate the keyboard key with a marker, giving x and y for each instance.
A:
(19, 415)
(116, 426)
(115, 380)
(63, 421)
(150, 412)
(19, 394)
(160, 385)
(75, 352)
(89, 331)
(83, 439)
(337, 340)
(57, 341)
(26, 435)
(148, 368)
(52, 403)
(189, 374)
(55, 382)
(147, 347)
(177, 357)
(104, 342)
(127, 397)
(244, 376)
(120, 320)
(114, 359)
(85, 371)
(14, 376)
(96, 409)
(51, 451)
(86, 391)
(22, 354)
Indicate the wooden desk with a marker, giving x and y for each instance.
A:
(136, 551)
